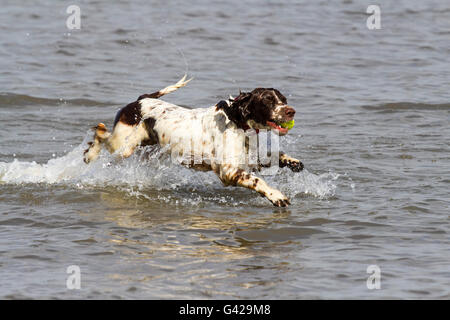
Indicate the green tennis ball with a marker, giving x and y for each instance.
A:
(288, 125)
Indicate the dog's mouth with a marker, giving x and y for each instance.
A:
(276, 126)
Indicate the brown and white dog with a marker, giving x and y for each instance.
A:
(213, 138)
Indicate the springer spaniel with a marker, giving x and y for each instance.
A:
(209, 138)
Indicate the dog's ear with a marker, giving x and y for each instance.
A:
(242, 97)
(239, 110)
(241, 104)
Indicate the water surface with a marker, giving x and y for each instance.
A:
(372, 128)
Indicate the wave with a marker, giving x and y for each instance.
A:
(151, 175)
(400, 106)
(13, 99)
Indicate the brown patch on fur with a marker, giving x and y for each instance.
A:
(100, 127)
(130, 114)
(221, 105)
(101, 133)
(154, 95)
(201, 167)
(149, 126)
(236, 177)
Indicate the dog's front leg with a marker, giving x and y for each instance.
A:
(292, 163)
(238, 177)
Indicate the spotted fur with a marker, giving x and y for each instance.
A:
(204, 138)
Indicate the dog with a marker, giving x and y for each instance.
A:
(200, 133)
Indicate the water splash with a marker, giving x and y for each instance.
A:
(146, 174)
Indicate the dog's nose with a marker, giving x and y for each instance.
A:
(290, 112)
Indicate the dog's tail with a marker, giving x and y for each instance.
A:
(166, 90)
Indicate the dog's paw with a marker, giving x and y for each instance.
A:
(295, 165)
(281, 203)
(277, 198)
(292, 163)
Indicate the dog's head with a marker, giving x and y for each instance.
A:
(263, 108)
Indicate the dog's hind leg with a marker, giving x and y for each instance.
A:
(100, 136)
(125, 138)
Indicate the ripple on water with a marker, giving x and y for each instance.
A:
(276, 235)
